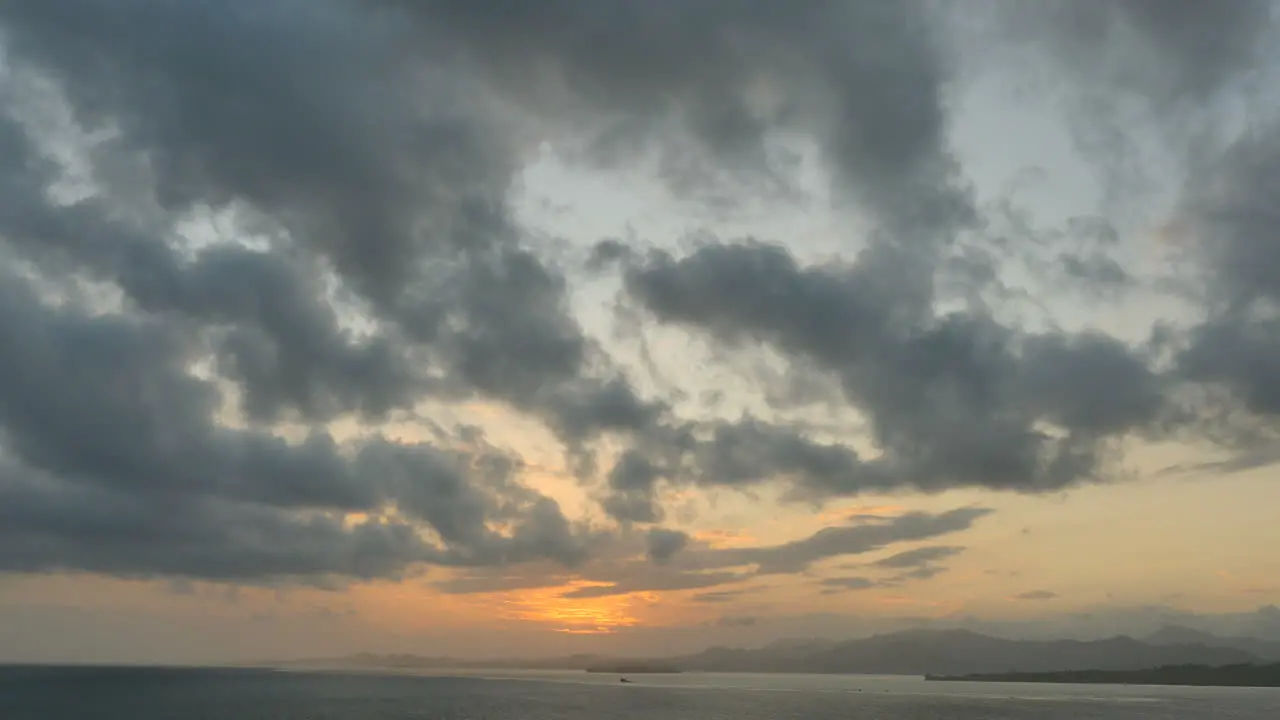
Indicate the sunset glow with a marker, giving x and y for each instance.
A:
(575, 616)
(494, 329)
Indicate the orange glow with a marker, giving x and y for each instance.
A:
(844, 514)
(575, 616)
(903, 600)
(724, 538)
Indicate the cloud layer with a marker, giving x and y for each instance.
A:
(230, 230)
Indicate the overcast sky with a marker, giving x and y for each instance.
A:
(476, 328)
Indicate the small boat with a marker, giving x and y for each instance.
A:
(623, 680)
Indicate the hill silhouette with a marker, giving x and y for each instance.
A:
(918, 652)
(1222, 676)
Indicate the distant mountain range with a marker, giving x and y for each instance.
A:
(1218, 675)
(961, 652)
(916, 652)
(1181, 635)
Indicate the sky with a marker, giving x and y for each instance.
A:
(487, 328)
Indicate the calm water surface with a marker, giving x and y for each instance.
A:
(167, 694)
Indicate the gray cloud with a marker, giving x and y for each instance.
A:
(664, 544)
(114, 463)
(633, 507)
(632, 482)
(50, 525)
(404, 199)
(868, 536)
(1231, 218)
(916, 564)
(717, 596)
(835, 585)
(922, 380)
(1036, 595)
(865, 79)
(661, 560)
(1173, 54)
(368, 161)
(703, 567)
(1172, 69)
(918, 557)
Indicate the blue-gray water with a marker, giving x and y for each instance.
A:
(159, 694)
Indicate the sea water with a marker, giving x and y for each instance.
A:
(214, 694)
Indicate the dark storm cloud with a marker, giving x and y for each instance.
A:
(955, 400)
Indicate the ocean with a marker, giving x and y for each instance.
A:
(41, 693)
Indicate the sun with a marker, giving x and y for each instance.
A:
(574, 616)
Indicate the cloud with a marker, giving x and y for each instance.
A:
(1036, 595)
(866, 81)
(1170, 53)
(632, 481)
(113, 463)
(916, 564)
(1234, 349)
(1173, 67)
(844, 584)
(918, 557)
(349, 179)
(717, 596)
(737, 621)
(493, 582)
(663, 544)
(318, 230)
(663, 582)
(364, 178)
(672, 561)
(829, 542)
(921, 379)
